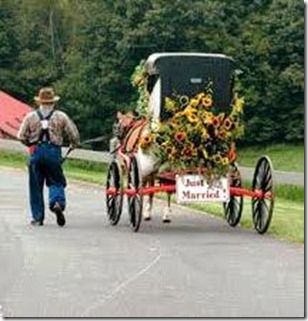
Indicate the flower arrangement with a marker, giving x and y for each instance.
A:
(196, 136)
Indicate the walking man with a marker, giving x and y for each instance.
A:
(43, 131)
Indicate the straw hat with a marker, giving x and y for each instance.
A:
(46, 96)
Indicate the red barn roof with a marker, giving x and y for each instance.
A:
(12, 112)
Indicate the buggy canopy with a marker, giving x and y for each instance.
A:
(189, 73)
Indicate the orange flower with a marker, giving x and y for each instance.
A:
(216, 122)
(180, 136)
(188, 151)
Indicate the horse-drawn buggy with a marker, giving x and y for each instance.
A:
(181, 139)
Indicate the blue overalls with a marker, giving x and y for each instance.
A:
(45, 165)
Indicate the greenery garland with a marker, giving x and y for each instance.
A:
(139, 80)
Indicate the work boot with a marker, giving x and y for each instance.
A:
(57, 209)
(36, 223)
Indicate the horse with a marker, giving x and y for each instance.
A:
(129, 128)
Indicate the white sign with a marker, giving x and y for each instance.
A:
(194, 188)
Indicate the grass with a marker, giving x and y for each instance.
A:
(287, 221)
(288, 217)
(93, 172)
(284, 157)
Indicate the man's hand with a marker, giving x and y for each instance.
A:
(31, 149)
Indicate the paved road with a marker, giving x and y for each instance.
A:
(280, 177)
(197, 266)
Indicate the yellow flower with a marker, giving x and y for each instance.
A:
(207, 118)
(194, 102)
(200, 96)
(225, 161)
(207, 101)
(170, 104)
(139, 80)
(238, 104)
(204, 153)
(221, 117)
(190, 113)
(217, 158)
(204, 134)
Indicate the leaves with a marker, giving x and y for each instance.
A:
(89, 49)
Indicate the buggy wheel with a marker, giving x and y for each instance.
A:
(134, 201)
(234, 206)
(114, 201)
(262, 208)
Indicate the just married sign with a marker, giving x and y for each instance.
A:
(194, 188)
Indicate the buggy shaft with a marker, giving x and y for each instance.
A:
(234, 191)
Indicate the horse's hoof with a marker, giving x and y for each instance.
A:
(167, 220)
(147, 218)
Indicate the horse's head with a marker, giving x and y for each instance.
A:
(123, 123)
(125, 120)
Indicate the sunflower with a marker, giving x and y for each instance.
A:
(146, 141)
(207, 101)
(225, 161)
(193, 118)
(217, 158)
(194, 102)
(227, 123)
(207, 118)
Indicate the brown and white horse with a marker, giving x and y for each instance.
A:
(128, 131)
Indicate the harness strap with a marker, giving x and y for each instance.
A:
(44, 133)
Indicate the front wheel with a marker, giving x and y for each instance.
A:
(262, 208)
(234, 206)
(134, 201)
(114, 195)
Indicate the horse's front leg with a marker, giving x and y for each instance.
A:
(147, 214)
(167, 210)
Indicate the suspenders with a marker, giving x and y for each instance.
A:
(44, 134)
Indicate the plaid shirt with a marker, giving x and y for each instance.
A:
(30, 129)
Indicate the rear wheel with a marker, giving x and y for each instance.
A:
(234, 206)
(262, 208)
(114, 200)
(135, 202)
